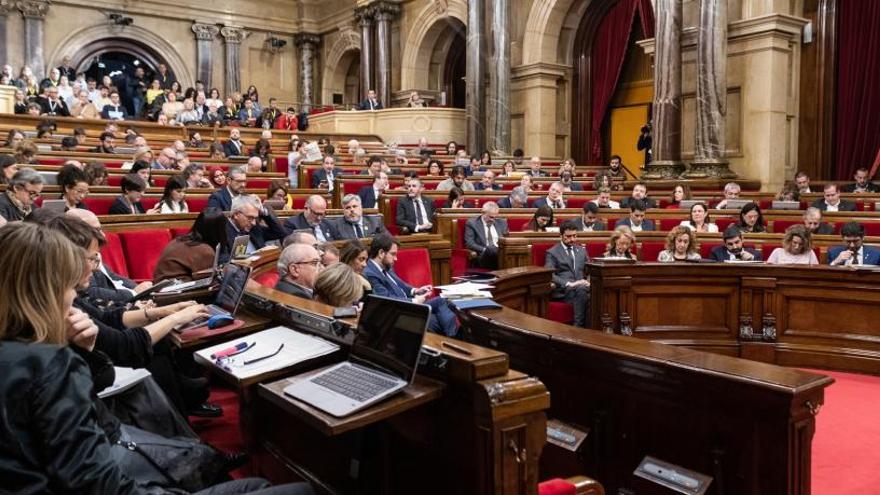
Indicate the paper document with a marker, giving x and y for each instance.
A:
(125, 379)
(466, 290)
(267, 351)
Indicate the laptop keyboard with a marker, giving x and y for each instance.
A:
(355, 383)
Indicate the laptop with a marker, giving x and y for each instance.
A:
(229, 296)
(54, 205)
(687, 204)
(200, 283)
(737, 204)
(240, 246)
(785, 205)
(383, 360)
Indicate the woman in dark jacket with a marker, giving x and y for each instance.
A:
(186, 255)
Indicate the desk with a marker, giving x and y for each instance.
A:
(747, 424)
(525, 288)
(252, 323)
(817, 317)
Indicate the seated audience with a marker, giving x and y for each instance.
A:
(814, 224)
(385, 282)
(542, 220)
(435, 168)
(217, 176)
(554, 198)
(639, 192)
(589, 220)
(788, 192)
(187, 255)
(566, 178)
(861, 184)
(679, 193)
(329, 253)
(487, 182)
(518, 198)
(114, 110)
(681, 245)
(455, 199)
(603, 199)
(313, 218)
(371, 103)
(456, 179)
(525, 182)
(325, 178)
(615, 167)
(129, 203)
(9, 168)
(236, 181)
(481, 235)
(171, 108)
(603, 179)
(249, 217)
(509, 169)
(831, 200)
(797, 248)
(97, 174)
(167, 160)
(370, 195)
(234, 146)
(174, 196)
(298, 267)
(74, 186)
(143, 170)
(194, 175)
(699, 220)
(17, 201)
(750, 219)
(637, 221)
(620, 243)
(802, 181)
(353, 224)
(414, 214)
(732, 249)
(339, 285)
(279, 193)
(535, 168)
(83, 108)
(568, 261)
(853, 251)
(731, 191)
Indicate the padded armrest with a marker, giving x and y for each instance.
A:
(586, 486)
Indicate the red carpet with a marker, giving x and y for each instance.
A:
(846, 456)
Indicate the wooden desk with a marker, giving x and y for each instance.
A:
(252, 323)
(818, 317)
(747, 424)
(525, 288)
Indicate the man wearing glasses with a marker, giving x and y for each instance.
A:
(298, 267)
(249, 217)
(313, 219)
(167, 159)
(18, 199)
(221, 199)
(853, 251)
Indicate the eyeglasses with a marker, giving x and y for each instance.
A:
(314, 263)
(94, 260)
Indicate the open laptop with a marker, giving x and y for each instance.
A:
(229, 296)
(383, 360)
(737, 204)
(54, 205)
(239, 247)
(785, 205)
(200, 283)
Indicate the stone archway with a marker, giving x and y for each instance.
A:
(430, 29)
(341, 56)
(84, 44)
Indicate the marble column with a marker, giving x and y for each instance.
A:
(384, 13)
(501, 76)
(308, 44)
(666, 131)
(364, 16)
(709, 145)
(34, 13)
(233, 36)
(205, 34)
(5, 7)
(475, 106)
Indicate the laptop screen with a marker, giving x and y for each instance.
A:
(390, 335)
(235, 279)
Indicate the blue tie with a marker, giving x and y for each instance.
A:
(398, 289)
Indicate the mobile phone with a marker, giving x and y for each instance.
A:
(345, 312)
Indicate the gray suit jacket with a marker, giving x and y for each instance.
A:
(475, 233)
(372, 225)
(293, 289)
(564, 270)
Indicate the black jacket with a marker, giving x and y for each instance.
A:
(8, 210)
(121, 207)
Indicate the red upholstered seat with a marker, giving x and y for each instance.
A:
(114, 180)
(872, 228)
(414, 266)
(667, 224)
(556, 486)
(459, 262)
(707, 247)
(539, 252)
(779, 226)
(353, 186)
(113, 255)
(560, 312)
(611, 222)
(650, 250)
(268, 279)
(309, 172)
(577, 202)
(149, 202)
(99, 206)
(765, 204)
(517, 224)
(596, 248)
(179, 231)
(197, 203)
(160, 180)
(458, 240)
(142, 250)
(725, 222)
(281, 164)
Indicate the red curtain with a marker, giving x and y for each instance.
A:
(607, 57)
(857, 130)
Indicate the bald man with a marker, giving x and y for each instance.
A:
(298, 267)
(313, 219)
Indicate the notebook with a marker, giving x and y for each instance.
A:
(384, 358)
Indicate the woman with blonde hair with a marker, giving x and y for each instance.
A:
(681, 245)
(797, 248)
(621, 243)
(339, 285)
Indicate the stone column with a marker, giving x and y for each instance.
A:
(205, 34)
(233, 36)
(501, 76)
(709, 145)
(666, 133)
(307, 44)
(34, 12)
(384, 13)
(5, 7)
(364, 16)
(475, 107)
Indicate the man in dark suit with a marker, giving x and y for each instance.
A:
(832, 201)
(637, 221)
(518, 198)
(732, 249)
(221, 199)
(861, 184)
(249, 217)
(380, 273)
(481, 235)
(487, 183)
(52, 105)
(115, 110)
(353, 224)
(106, 143)
(853, 252)
(589, 220)
(313, 219)
(640, 192)
(814, 224)
(371, 103)
(568, 261)
(247, 116)
(298, 267)
(370, 194)
(535, 168)
(233, 146)
(554, 198)
(326, 177)
(414, 213)
(568, 182)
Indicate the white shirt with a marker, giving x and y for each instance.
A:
(831, 207)
(174, 208)
(422, 212)
(611, 204)
(491, 234)
(710, 227)
(635, 228)
(860, 256)
(552, 204)
(116, 283)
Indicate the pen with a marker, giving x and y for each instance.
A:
(456, 348)
(267, 356)
(236, 349)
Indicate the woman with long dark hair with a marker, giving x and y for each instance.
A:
(189, 254)
(174, 196)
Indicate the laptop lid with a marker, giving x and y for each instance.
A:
(736, 204)
(686, 204)
(239, 246)
(231, 291)
(390, 333)
(785, 205)
(56, 205)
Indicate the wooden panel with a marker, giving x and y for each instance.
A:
(670, 310)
